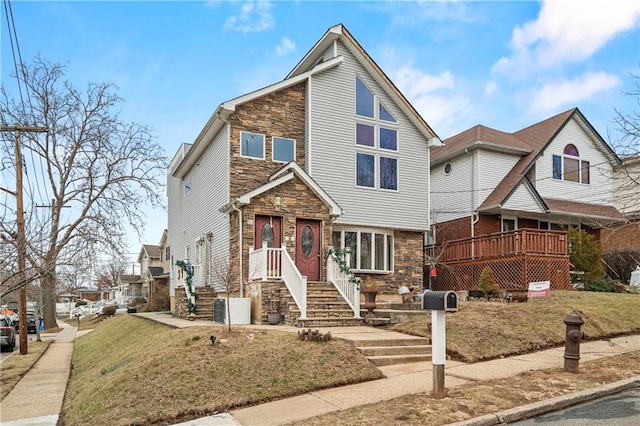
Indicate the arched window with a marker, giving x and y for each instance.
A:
(570, 167)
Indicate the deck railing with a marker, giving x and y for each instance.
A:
(523, 241)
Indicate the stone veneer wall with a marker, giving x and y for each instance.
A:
(297, 201)
(277, 114)
(408, 246)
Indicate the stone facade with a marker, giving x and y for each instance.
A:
(277, 114)
(407, 270)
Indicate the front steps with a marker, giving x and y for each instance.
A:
(325, 307)
(391, 351)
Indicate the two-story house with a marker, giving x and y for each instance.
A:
(332, 156)
(154, 273)
(502, 199)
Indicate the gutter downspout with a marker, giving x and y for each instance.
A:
(233, 205)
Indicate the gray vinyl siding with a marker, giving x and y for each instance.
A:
(333, 149)
(491, 169)
(451, 195)
(522, 200)
(598, 191)
(192, 216)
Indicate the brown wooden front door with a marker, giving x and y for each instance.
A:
(268, 231)
(308, 246)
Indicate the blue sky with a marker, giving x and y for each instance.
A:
(503, 64)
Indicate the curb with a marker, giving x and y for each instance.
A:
(550, 405)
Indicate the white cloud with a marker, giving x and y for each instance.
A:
(490, 88)
(433, 96)
(254, 17)
(567, 31)
(570, 92)
(285, 46)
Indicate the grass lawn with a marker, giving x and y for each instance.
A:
(483, 330)
(16, 366)
(132, 371)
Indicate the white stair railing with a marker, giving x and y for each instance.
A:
(350, 291)
(265, 263)
(296, 283)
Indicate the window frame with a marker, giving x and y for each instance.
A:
(559, 167)
(397, 173)
(357, 184)
(273, 149)
(382, 106)
(188, 186)
(387, 255)
(242, 132)
(373, 99)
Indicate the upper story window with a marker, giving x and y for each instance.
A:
(384, 114)
(252, 145)
(283, 149)
(570, 167)
(364, 99)
(377, 143)
(187, 187)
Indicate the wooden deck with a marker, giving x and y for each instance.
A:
(516, 259)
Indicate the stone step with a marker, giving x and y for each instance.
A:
(327, 322)
(371, 351)
(400, 341)
(376, 321)
(380, 361)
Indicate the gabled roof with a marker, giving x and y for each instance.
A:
(476, 137)
(312, 63)
(281, 176)
(339, 32)
(537, 137)
(152, 251)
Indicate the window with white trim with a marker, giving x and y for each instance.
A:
(376, 162)
(368, 250)
(570, 167)
(187, 187)
(284, 150)
(252, 145)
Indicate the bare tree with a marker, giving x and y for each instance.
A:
(221, 273)
(101, 167)
(109, 273)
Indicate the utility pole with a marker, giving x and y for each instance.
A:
(21, 243)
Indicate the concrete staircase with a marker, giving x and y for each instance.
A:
(325, 307)
(403, 349)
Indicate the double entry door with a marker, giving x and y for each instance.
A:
(268, 233)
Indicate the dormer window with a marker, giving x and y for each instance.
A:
(570, 167)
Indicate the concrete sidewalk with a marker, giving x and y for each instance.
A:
(404, 379)
(37, 398)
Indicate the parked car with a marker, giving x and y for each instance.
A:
(7, 334)
(32, 320)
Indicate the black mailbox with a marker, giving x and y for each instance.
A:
(440, 301)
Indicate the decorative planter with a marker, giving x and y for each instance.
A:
(370, 302)
(274, 318)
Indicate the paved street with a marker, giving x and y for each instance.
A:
(616, 410)
(3, 355)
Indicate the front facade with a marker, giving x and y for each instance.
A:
(493, 185)
(331, 156)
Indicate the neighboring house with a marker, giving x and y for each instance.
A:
(154, 271)
(333, 155)
(129, 288)
(501, 200)
(621, 243)
(93, 294)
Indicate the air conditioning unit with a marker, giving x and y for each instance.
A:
(240, 308)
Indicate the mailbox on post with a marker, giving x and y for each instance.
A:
(440, 301)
